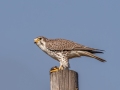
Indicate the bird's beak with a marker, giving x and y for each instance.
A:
(36, 40)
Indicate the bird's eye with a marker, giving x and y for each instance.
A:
(40, 38)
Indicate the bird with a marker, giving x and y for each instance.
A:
(63, 50)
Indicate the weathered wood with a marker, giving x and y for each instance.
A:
(64, 80)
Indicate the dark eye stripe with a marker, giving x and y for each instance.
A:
(41, 43)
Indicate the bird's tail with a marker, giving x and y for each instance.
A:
(85, 53)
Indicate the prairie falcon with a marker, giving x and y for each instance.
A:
(62, 50)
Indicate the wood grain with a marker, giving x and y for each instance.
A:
(64, 80)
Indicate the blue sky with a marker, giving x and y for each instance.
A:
(96, 23)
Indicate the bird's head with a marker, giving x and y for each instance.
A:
(40, 41)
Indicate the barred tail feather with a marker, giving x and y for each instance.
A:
(92, 55)
(98, 58)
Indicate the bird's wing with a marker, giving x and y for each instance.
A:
(63, 44)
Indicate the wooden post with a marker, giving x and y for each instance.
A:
(64, 80)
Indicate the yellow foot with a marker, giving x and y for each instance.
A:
(54, 69)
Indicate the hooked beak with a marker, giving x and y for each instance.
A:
(36, 40)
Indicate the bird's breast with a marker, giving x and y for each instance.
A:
(51, 54)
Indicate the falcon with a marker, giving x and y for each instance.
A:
(63, 50)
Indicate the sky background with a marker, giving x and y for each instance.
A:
(94, 23)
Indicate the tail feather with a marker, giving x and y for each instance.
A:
(93, 56)
(98, 58)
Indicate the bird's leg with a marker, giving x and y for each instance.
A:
(61, 67)
(54, 69)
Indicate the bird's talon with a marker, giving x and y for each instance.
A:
(54, 69)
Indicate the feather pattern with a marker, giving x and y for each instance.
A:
(63, 44)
